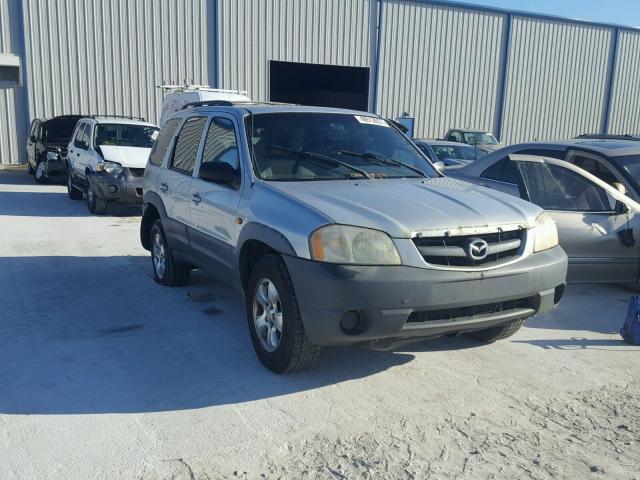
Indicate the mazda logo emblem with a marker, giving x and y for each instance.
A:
(477, 249)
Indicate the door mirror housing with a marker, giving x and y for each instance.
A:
(218, 172)
(439, 166)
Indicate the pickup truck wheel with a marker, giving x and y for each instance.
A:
(73, 192)
(490, 335)
(97, 205)
(274, 319)
(41, 172)
(165, 269)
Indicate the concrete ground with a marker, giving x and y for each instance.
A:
(106, 375)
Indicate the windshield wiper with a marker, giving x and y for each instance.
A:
(318, 156)
(382, 159)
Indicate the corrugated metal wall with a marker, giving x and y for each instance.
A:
(12, 100)
(107, 56)
(439, 64)
(556, 82)
(625, 103)
(254, 32)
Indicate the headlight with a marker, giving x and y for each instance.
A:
(112, 168)
(545, 233)
(52, 155)
(344, 244)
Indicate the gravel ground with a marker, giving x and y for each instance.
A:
(106, 375)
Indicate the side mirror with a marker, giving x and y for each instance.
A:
(439, 166)
(217, 172)
(621, 208)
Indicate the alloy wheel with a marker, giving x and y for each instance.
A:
(267, 314)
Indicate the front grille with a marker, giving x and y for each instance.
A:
(454, 251)
(137, 172)
(470, 312)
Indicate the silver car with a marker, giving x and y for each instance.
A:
(596, 223)
(339, 231)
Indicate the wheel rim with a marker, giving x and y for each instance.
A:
(90, 195)
(159, 255)
(40, 170)
(267, 314)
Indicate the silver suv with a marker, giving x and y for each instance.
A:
(340, 231)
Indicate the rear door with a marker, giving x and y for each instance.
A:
(589, 229)
(77, 148)
(175, 183)
(214, 206)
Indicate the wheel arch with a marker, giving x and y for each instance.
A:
(153, 209)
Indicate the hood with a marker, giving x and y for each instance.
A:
(404, 207)
(128, 157)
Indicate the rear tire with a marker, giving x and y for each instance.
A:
(40, 175)
(73, 192)
(96, 205)
(500, 332)
(274, 319)
(165, 269)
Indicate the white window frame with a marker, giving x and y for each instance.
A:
(11, 60)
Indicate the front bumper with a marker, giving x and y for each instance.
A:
(124, 188)
(390, 300)
(56, 166)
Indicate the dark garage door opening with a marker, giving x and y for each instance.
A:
(320, 85)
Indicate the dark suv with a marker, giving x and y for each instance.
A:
(47, 146)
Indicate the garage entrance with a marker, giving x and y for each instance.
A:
(320, 85)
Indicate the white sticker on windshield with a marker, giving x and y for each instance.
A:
(371, 120)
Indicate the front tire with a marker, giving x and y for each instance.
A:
(73, 192)
(274, 318)
(500, 332)
(96, 205)
(165, 269)
(40, 175)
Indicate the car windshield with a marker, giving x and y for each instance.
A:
(125, 135)
(331, 146)
(479, 138)
(58, 130)
(458, 152)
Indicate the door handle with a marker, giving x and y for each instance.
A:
(164, 187)
(195, 198)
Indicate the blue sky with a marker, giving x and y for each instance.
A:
(623, 12)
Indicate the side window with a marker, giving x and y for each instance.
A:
(426, 151)
(86, 136)
(78, 140)
(596, 168)
(505, 171)
(455, 137)
(556, 188)
(162, 142)
(186, 149)
(221, 144)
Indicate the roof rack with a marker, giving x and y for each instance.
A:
(227, 103)
(201, 88)
(127, 117)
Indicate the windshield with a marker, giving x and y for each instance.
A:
(58, 130)
(479, 138)
(124, 135)
(331, 146)
(458, 152)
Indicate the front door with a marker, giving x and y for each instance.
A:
(589, 229)
(214, 205)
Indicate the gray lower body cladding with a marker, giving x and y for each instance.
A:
(402, 302)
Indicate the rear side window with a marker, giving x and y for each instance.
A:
(162, 142)
(184, 154)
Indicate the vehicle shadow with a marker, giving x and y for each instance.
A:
(47, 200)
(581, 343)
(97, 335)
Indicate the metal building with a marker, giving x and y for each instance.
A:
(519, 75)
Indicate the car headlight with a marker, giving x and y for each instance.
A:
(345, 244)
(112, 168)
(545, 233)
(52, 155)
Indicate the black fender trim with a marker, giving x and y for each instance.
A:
(267, 235)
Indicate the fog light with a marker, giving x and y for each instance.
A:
(350, 322)
(113, 189)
